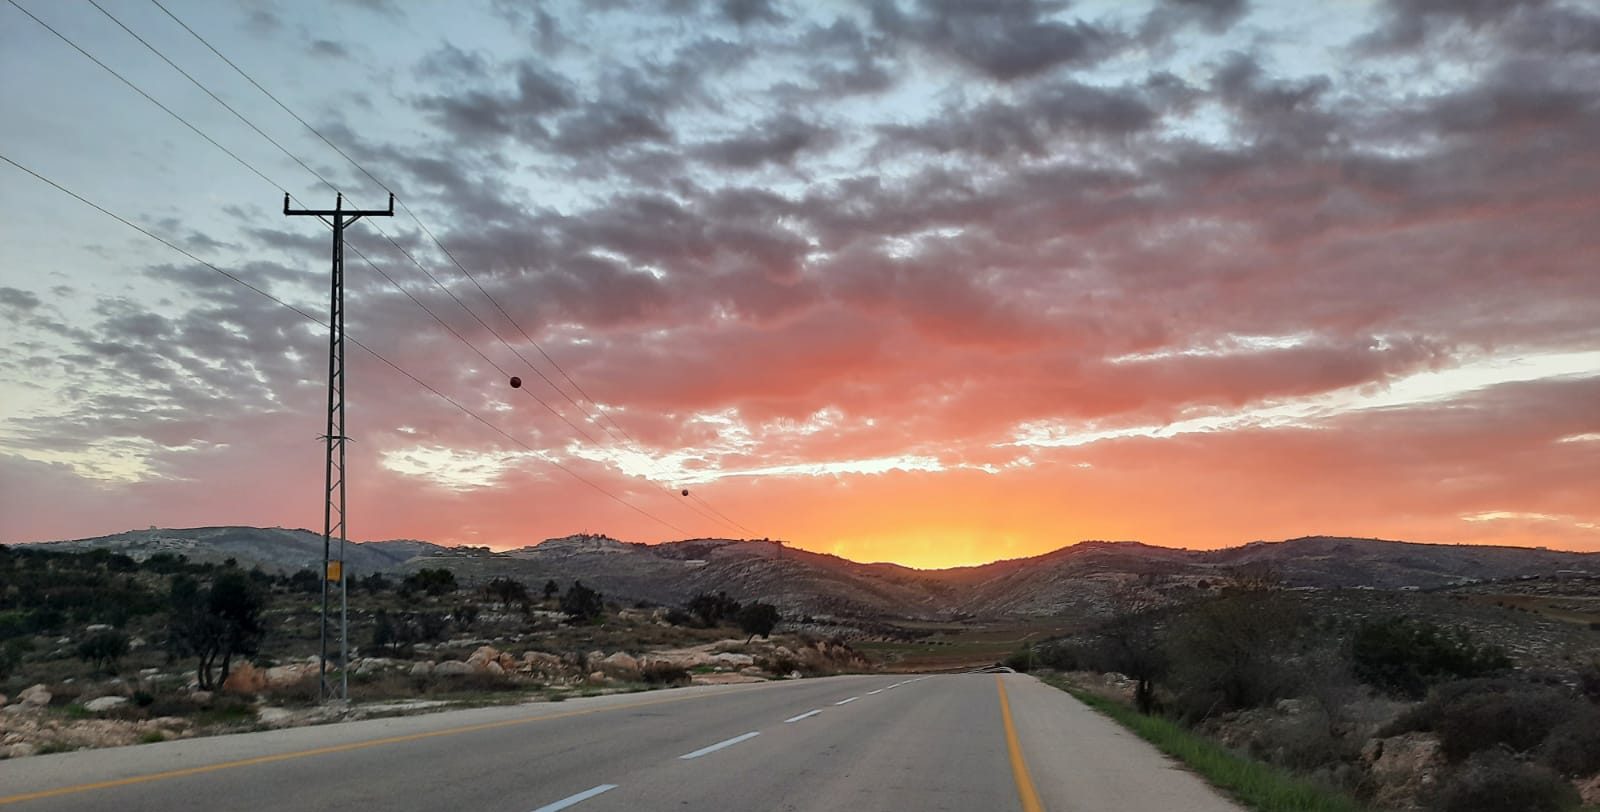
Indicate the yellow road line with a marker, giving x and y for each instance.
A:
(322, 751)
(1019, 766)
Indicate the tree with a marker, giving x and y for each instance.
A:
(758, 618)
(507, 591)
(103, 649)
(551, 590)
(385, 637)
(582, 603)
(1405, 657)
(215, 624)
(712, 610)
(433, 582)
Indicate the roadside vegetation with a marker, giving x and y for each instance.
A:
(99, 649)
(1286, 708)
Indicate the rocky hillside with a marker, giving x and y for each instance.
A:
(1081, 578)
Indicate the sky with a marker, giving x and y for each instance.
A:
(921, 281)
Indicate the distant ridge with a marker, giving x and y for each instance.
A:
(1079, 577)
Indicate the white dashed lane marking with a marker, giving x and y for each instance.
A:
(847, 701)
(576, 799)
(806, 715)
(719, 745)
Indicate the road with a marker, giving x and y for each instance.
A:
(946, 742)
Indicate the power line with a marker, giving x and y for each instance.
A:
(630, 440)
(247, 165)
(706, 512)
(375, 354)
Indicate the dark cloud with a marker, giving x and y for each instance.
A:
(746, 12)
(18, 299)
(779, 140)
(328, 49)
(1007, 40)
(1408, 23)
(1033, 126)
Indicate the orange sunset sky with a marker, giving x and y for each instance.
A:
(915, 281)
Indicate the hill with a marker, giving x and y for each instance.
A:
(1081, 578)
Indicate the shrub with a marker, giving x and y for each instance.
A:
(1573, 747)
(103, 649)
(1228, 653)
(758, 619)
(1519, 720)
(1405, 657)
(581, 603)
(1493, 781)
(712, 610)
(679, 617)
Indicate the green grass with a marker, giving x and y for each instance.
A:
(1261, 787)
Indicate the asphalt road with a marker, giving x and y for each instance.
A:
(957, 742)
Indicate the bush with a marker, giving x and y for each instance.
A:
(1573, 748)
(1495, 782)
(1405, 657)
(581, 603)
(679, 617)
(103, 649)
(712, 610)
(1228, 653)
(1519, 720)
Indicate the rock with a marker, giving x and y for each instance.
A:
(1589, 790)
(422, 669)
(597, 678)
(36, 696)
(730, 660)
(97, 627)
(620, 665)
(481, 657)
(105, 703)
(539, 662)
(452, 668)
(283, 676)
(274, 716)
(752, 671)
(2, 700)
(494, 668)
(21, 750)
(136, 643)
(1403, 767)
(172, 723)
(1290, 707)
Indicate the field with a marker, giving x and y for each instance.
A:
(960, 646)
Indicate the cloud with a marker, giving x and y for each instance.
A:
(1005, 41)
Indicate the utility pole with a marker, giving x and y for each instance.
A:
(333, 509)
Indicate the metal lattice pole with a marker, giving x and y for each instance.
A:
(334, 471)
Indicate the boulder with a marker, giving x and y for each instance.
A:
(597, 678)
(1589, 790)
(494, 668)
(20, 750)
(730, 660)
(422, 669)
(97, 627)
(481, 658)
(36, 696)
(281, 676)
(1404, 768)
(452, 668)
(200, 697)
(105, 703)
(2, 700)
(620, 665)
(539, 662)
(274, 716)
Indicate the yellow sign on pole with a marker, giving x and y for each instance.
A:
(335, 571)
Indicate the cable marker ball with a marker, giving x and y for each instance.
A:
(516, 383)
(685, 491)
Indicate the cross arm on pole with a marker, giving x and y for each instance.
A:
(340, 211)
